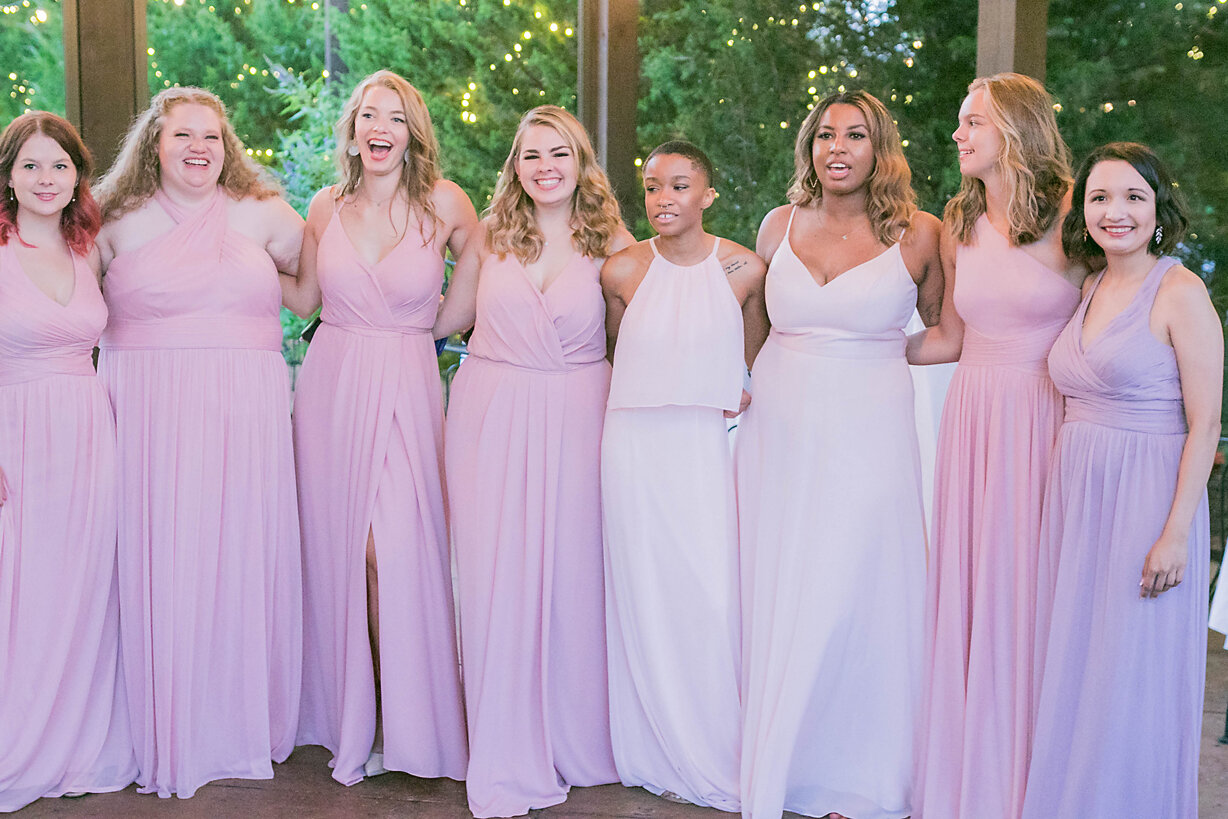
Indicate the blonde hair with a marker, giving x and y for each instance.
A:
(595, 216)
(890, 200)
(137, 172)
(420, 171)
(1034, 163)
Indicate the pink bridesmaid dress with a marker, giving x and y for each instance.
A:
(63, 716)
(998, 428)
(671, 534)
(523, 442)
(1119, 720)
(368, 434)
(209, 570)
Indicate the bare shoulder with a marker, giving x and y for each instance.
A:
(1183, 288)
(924, 234)
(621, 240)
(450, 200)
(741, 260)
(626, 265)
(772, 231)
(320, 211)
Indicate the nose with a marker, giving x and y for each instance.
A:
(960, 133)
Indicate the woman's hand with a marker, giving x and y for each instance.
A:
(1164, 567)
(742, 405)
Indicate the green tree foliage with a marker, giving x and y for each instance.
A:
(31, 57)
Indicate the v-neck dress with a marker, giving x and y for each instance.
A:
(829, 498)
(63, 716)
(209, 567)
(1119, 721)
(523, 439)
(998, 428)
(671, 534)
(368, 438)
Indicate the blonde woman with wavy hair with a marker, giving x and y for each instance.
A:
(1010, 290)
(524, 433)
(209, 569)
(830, 441)
(368, 435)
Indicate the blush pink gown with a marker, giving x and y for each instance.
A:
(523, 441)
(368, 432)
(671, 534)
(209, 568)
(1119, 720)
(63, 716)
(998, 429)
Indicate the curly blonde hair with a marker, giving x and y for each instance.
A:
(420, 171)
(137, 172)
(595, 215)
(1034, 163)
(890, 200)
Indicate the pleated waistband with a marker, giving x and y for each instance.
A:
(194, 333)
(1156, 417)
(377, 332)
(24, 370)
(839, 344)
(1028, 353)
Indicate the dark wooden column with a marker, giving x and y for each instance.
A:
(608, 88)
(1011, 36)
(105, 80)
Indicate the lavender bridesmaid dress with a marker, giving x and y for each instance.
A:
(998, 427)
(368, 434)
(209, 570)
(1119, 720)
(523, 436)
(63, 716)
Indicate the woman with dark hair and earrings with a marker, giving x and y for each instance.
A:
(1126, 536)
(63, 716)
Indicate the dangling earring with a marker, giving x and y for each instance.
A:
(1085, 235)
(12, 196)
(352, 150)
(405, 157)
(1159, 234)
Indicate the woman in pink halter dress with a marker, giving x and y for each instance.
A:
(1125, 546)
(368, 433)
(523, 431)
(62, 707)
(827, 447)
(1009, 295)
(685, 314)
(209, 568)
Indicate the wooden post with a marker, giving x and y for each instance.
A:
(105, 71)
(608, 89)
(1011, 35)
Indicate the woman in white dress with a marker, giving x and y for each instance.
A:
(829, 479)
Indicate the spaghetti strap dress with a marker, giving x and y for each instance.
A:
(210, 579)
(523, 435)
(368, 436)
(998, 429)
(1119, 720)
(671, 535)
(62, 709)
(832, 546)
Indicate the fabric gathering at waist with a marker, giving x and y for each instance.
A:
(842, 344)
(194, 333)
(569, 367)
(22, 370)
(1029, 353)
(1156, 416)
(376, 332)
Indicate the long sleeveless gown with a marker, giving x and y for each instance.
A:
(209, 568)
(62, 707)
(368, 433)
(832, 546)
(1119, 720)
(998, 428)
(523, 436)
(671, 535)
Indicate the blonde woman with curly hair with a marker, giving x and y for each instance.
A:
(368, 434)
(209, 570)
(523, 433)
(1009, 291)
(829, 442)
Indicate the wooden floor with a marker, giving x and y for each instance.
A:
(302, 788)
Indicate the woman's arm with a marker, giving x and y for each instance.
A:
(921, 249)
(300, 292)
(460, 304)
(456, 211)
(943, 341)
(1197, 338)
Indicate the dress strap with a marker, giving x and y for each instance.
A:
(789, 224)
(716, 246)
(652, 243)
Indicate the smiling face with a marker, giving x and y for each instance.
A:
(842, 151)
(190, 149)
(980, 142)
(381, 130)
(676, 194)
(43, 178)
(1119, 208)
(546, 166)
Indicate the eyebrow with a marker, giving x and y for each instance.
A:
(563, 147)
